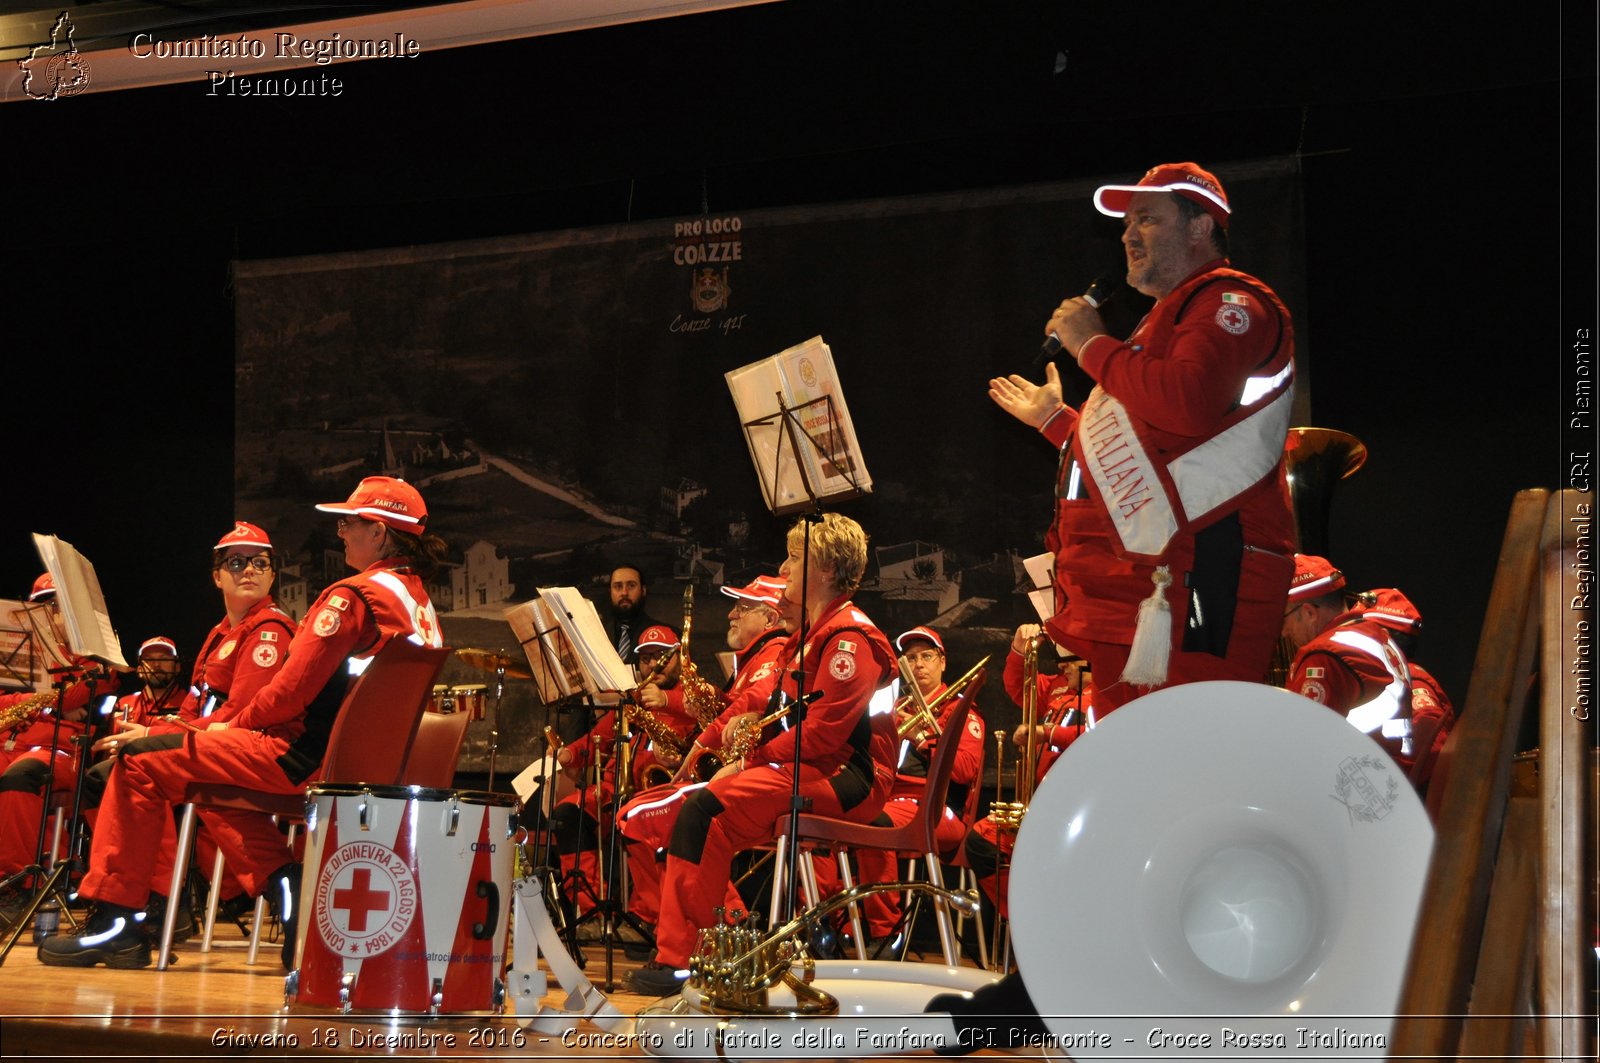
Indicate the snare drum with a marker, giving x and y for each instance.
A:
(404, 900)
(439, 700)
(469, 699)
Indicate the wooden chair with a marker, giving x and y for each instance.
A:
(915, 838)
(370, 742)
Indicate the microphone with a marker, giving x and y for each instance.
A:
(1100, 289)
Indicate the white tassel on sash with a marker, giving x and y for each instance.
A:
(1152, 637)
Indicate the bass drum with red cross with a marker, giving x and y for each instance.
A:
(404, 901)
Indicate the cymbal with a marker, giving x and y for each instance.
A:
(491, 661)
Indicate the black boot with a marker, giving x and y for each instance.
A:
(114, 936)
(283, 896)
(155, 913)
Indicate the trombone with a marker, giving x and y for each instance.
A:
(920, 716)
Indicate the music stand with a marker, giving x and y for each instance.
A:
(89, 635)
(825, 466)
(574, 648)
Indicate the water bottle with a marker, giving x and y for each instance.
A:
(46, 920)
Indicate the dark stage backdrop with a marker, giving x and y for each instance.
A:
(560, 396)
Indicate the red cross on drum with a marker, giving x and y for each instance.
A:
(405, 901)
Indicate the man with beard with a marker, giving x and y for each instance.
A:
(628, 618)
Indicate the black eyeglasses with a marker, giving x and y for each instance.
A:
(344, 522)
(237, 564)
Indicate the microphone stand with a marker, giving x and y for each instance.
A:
(60, 875)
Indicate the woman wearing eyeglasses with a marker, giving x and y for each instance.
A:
(249, 644)
(238, 657)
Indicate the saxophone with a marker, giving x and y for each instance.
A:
(700, 697)
(662, 736)
(26, 711)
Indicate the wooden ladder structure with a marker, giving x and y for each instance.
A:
(1503, 953)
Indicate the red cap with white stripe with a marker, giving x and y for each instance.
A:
(386, 499)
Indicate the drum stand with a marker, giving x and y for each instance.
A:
(56, 885)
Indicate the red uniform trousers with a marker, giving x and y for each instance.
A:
(647, 820)
(717, 821)
(153, 774)
(22, 810)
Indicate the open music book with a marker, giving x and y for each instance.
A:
(83, 607)
(798, 429)
(568, 647)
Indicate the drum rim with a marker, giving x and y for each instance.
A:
(402, 792)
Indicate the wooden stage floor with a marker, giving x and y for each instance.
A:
(215, 1005)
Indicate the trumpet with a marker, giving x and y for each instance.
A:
(920, 717)
(1007, 815)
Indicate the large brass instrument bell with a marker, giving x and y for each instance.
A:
(1314, 461)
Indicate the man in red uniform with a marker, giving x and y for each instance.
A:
(272, 741)
(755, 634)
(837, 659)
(1171, 490)
(1347, 661)
(923, 650)
(1064, 704)
(1432, 714)
(1173, 533)
(36, 752)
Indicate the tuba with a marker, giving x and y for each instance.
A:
(1315, 460)
(1274, 882)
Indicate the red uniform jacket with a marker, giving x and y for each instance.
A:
(1203, 387)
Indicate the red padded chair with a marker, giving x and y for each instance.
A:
(915, 838)
(437, 748)
(370, 742)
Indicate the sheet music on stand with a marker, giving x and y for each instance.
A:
(798, 429)
(1041, 573)
(83, 606)
(557, 675)
(600, 668)
(19, 667)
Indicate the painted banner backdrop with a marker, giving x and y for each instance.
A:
(559, 397)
